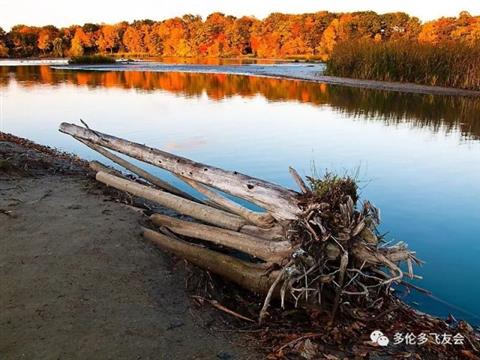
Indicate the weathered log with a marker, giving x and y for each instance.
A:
(376, 257)
(182, 206)
(249, 276)
(137, 171)
(264, 220)
(98, 166)
(275, 233)
(280, 202)
(263, 249)
(298, 179)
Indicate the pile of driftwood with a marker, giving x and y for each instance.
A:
(315, 248)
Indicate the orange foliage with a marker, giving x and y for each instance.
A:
(109, 38)
(133, 40)
(219, 35)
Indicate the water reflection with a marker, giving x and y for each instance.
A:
(435, 112)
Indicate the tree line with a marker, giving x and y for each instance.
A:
(312, 35)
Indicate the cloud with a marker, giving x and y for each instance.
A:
(188, 144)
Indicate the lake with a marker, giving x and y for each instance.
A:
(417, 156)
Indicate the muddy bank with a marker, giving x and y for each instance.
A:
(77, 279)
(307, 72)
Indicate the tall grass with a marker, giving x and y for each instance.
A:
(444, 64)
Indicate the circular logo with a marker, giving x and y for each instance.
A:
(375, 335)
(383, 341)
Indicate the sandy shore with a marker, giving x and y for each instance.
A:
(77, 279)
(306, 72)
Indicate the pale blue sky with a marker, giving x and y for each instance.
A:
(61, 12)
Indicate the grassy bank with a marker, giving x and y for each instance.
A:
(91, 60)
(444, 64)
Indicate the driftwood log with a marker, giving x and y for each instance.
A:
(317, 247)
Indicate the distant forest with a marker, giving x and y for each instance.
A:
(312, 36)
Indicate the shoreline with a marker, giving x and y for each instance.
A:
(311, 72)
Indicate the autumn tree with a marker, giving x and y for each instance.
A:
(46, 36)
(84, 40)
(399, 25)
(22, 40)
(57, 47)
(467, 28)
(133, 40)
(67, 34)
(152, 40)
(294, 43)
(77, 47)
(269, 35)
(464, 28)
(171, 33)
(438, 30)
(3, 44)
(193, 27)
(313, 29)
(213, 35)
(108, 38)
(239, 35)
(330, 37)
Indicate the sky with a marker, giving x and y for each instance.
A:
(62, 13)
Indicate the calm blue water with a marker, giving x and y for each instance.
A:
(418, 156)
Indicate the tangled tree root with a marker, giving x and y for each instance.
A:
(318, 249)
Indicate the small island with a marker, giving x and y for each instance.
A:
(91, 60)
